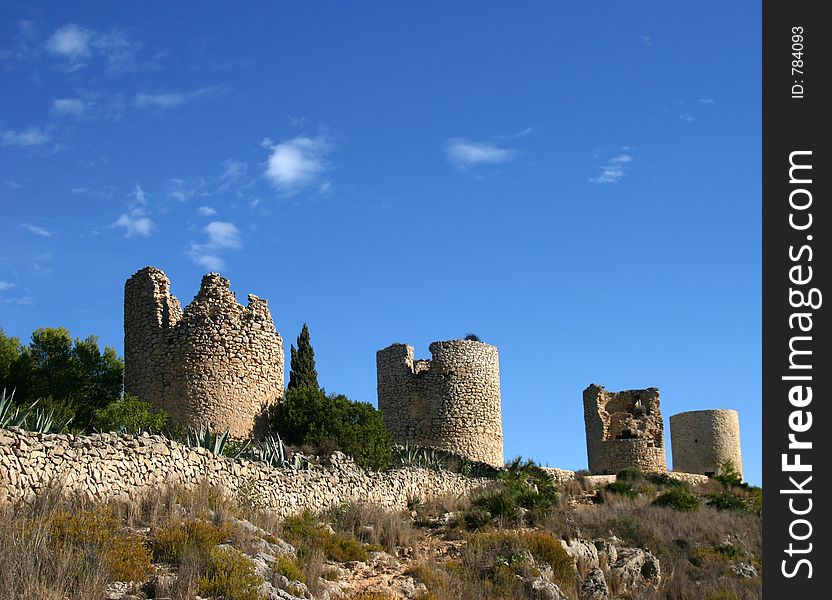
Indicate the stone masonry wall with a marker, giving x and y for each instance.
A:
(216, 363)
(450, 402)
(623, 429)
(111, 466)
(702, 440)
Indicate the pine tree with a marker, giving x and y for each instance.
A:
(303, 373)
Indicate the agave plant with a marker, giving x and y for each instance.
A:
(272, 451)
(205, 438)
(16, 416)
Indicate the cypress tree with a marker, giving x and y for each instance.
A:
(303, 373)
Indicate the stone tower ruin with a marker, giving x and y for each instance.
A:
(451, 401)
(216, 363)
(703, 440)
(623, 429)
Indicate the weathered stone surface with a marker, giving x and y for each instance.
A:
(110, 466)
(744, 569)
(543, 589)
(216, 362)
(623, 429)
(450, 402)
(582, 552)
(594, 586)
(636, 567)
(702, 440)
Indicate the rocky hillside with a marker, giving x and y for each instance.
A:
(522, 537)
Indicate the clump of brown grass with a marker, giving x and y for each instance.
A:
(374, 525)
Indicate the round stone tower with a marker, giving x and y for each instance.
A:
(704, 440)
(218, 363)
(450, 402)
(623, 429)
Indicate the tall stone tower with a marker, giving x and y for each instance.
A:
(216, 363)
(450, 402)
(623, 429)
(703, 440)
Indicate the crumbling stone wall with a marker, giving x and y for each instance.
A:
(217, 362)
(623, 429)
(450, 402)
(702, 440)
(110, 466)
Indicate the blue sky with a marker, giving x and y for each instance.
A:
(578, 184)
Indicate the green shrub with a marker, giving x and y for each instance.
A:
(98, 533)
(308, 416)
(665, 480)
(678, 499)
(229, 575)
(549, 550)
(630, 474)
(289, 568)
(308, 535)
(729, 476)
(193, 536)
(621, 488)
(131, 414)
(726, 501)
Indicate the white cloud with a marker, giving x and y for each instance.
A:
(73, 107)
(221, 236)
(207, 261)
(136, 222)
(71, 42)
(687, 118)
(613, 170)
(36, 230)
(26, 139)
(463, 154)
(77, 45)
(171, 99)
(707, 101)
(206, 211)
(5, 285)
(297, 163)
(646, 39)
(233, 170)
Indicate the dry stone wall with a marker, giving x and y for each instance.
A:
(111, 466)
(216, 363)
(450, 402)
(623, 429)
(702, 440)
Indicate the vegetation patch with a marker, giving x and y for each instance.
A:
(307, 534)
(228, 574)
(678, 499)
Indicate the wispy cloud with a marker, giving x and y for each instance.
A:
(77, 46)
(515, 135)
(464, 154)
(172, 99)
(71, 42)
(6, 285)
(298, 163)
(613, 170)
(206, 211)
(646, 39)
(72, 107)
(707, 101)
(233, 170)
(687, 118)
(136, 222)
(33, 136)
(221, 236)
(36, 229)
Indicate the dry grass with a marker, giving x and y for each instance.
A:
(374, 525)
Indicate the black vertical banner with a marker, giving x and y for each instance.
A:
(797, 387)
